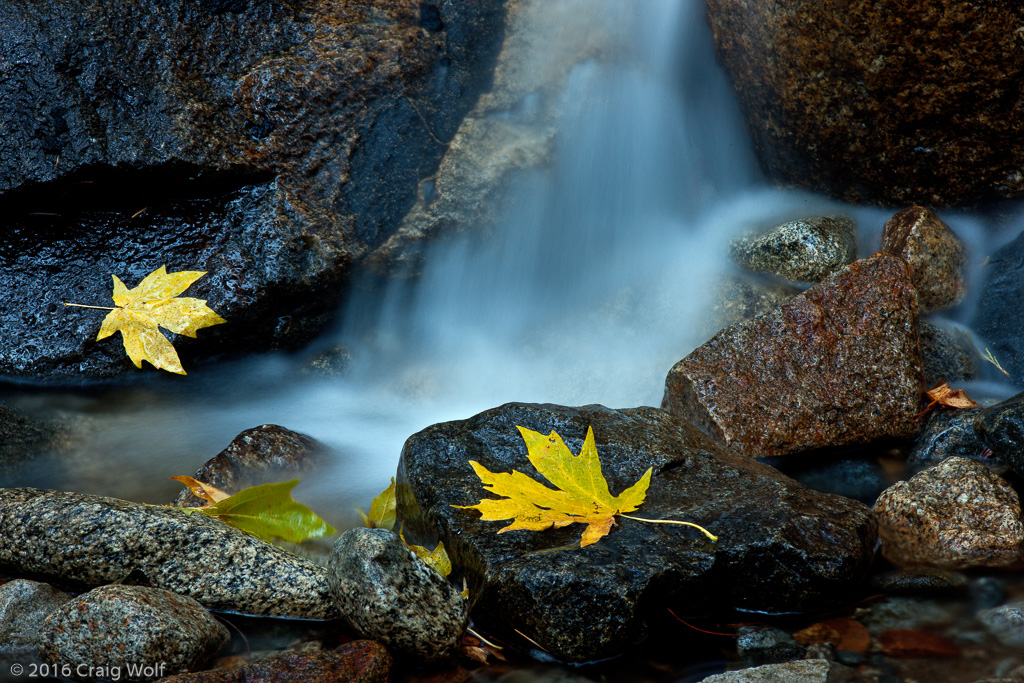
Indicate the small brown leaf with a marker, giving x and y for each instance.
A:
(943, 395)
(844, 634)
(910, 644)
(203, 491)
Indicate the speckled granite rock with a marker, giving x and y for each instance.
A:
(739, 298)
(894, 103)
(361, 661)
(919, 581)
(1005, 622)
(388, 594)
(781, 547)
(935, 254)
(260, 455)
(947, 353)
(767, 645)
(94, 540)
(838, 364)
(803, 250)
(954, 515)
(131, 633)
(24, 605)
(801, 671)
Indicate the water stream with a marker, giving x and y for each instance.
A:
(594, 282)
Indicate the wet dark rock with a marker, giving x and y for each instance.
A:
(987, 592)
(260, 455)
(900, 612)
(329, 362)
(875, 103)
(361, 661)
(803, 671)
(1002, 428)
(739, 298)
(1006, 623)
(782, 547)
(272, 145)
(22, 438)
(919, 581)
(860, 478)
(92, 540)
(131, 633)
(803, 250)
(838, 364)
(24, 606)
(768, 645)
(951, 433)
(386, 593)
(954, 515)
(935, 254)
(948, 354)
(998, 322)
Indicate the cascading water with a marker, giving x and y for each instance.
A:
(592, 284)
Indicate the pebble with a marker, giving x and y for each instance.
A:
(954, 515)
(801, 671)
(935, 254)
(1005, 622)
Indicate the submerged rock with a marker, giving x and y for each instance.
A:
(947, 353)
(782, 546)
(273, 145)
(386, 593)
(1006, 623)
(935, 254)
(739, 298)
(131, 633)
(838, 364)
(954, 515)
(804, 250)
(361, 661)
(92, 540)
(895, 103)
(260, 455)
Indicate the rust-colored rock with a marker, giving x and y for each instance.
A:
(890, 102)
(843, 632)
(955, 515)
(361, 661)
(838, 364)
(260, 455)
(911, 644)
(934, 252)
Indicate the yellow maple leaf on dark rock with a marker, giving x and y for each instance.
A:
(153, 304)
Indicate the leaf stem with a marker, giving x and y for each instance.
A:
(672, 521)
(483, 640)
(102, 308)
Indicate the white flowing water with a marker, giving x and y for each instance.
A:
(592, 285)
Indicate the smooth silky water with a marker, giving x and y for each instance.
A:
(596, 280)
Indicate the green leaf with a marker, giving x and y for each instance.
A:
(382, 510)
(268, 511)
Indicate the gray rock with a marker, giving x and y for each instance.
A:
(24, 606)
(936, 256)
(803, 671)
(131, 633)
(954, 515)
(739, 298)
(768, 645)
(782, 546)
(388, 594)
(260, 455)
(919, 581)
(804, 250)
(839, 364)
(1005, 622)
(272, 145)
(948, 354)
(911, 613)
(94, 540)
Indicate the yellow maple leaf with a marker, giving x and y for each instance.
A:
(153, 304)
(582, 496)
(382, 510)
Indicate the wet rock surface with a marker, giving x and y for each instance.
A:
(261, 455)
(999, 325)
(22, 439)
(804, 250)
(1002, 428)
(361, 661)
(954, 515)
(781, 546)
(935, 254)
(92, 540)
(386, 593)
(875, 103)
(838, 364)
(742, 297)
(131, 633)
(271, 145)
(24, 606)
(947, 353)
(802, 671)
(951, 433)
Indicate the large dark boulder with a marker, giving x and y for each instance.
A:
(998, 321)
(272, 144)
(782, 547)
(889, 102)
